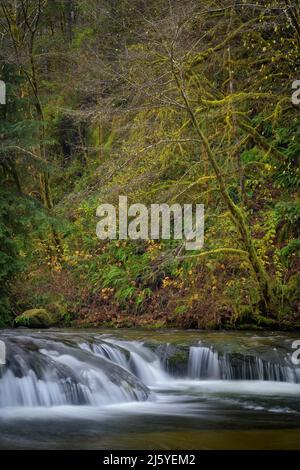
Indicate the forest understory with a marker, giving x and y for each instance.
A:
(164, 101)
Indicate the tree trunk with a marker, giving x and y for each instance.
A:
(267, 291)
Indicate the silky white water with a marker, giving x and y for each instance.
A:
(66, 389)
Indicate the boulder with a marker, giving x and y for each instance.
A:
(35, 318)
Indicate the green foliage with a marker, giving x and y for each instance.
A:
(287, 215)
(94, 110)
(125, 270)
(288, 212)
(291, 248)
(287, 174)
(10, 261)
(24, 225)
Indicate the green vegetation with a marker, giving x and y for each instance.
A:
(35, 318)
(162, 101)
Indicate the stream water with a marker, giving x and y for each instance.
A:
(133, 389)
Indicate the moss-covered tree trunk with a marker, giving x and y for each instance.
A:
(267, 290)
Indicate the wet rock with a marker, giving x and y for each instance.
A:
(174, 358)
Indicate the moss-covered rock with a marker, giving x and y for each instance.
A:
(35, 318)
(177, 360)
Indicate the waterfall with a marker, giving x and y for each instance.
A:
(205, 363)
(55, 369)
(46, 373)
(92, 389)
(112, 353)
(255, 368)
(133, 356)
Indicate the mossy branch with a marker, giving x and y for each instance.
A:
(232, 251)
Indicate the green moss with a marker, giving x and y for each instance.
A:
(264, 321)
(180, 357)
(35, 318)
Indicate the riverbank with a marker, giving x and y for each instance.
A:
(55, 315)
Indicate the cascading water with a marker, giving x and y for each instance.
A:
(47, 373)
(205, 363)
(88, 390)
(133, 356)
(42, 371)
